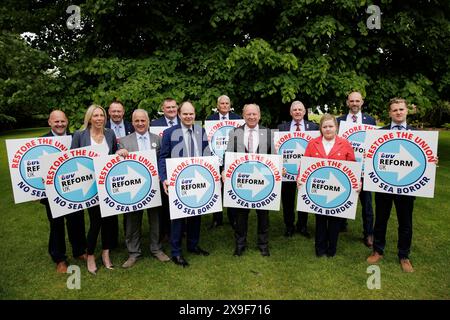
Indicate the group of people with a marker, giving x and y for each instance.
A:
(183, 138)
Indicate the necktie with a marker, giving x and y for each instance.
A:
(170, 123)
(354, 118)
(224, 118)
(250, 140)
(117, 131)
(144, 144)
(297, 124)
(397, 127)
(191, 143)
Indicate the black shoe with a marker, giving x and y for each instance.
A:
(199, 251)
(264, 252)
(179, 260)
(304, 233)
(238, 251)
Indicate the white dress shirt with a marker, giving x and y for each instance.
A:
(294, 126)
(143, 141)
(255, 137)
(328, 144)
(358, 118)
(119, 129)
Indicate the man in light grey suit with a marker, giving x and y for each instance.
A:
(141, 140)
(251, 138)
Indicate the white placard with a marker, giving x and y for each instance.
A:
(291, 146)
(194, 186)
(253, 181)
(217, 132)
(355, 134)
(69, 180)
(158, 130)
(127, 184)
(401, 162)
(24, 164)
(329, 187)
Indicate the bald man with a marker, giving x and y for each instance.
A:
(355, 102)
(74, 221)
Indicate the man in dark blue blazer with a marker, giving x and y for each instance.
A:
(404, 205)
(169, 107)
(223, 110)
(122, 128)
(223, 113)
(289, 188)
(355, 103)
(74, 221)
(116, 112)
(174, 145)
(170, 118)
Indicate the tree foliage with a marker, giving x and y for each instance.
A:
(264, 51)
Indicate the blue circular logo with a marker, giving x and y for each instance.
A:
(289, 151)
(395, 154)
(29, 165)
(219, 141)
(195, 186)
(252, 181)
(75, 180)
(328, 187)
(128, 182)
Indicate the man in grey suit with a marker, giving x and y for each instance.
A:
(141, 140)
(251, 138)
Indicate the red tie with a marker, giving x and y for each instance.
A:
(354, 117)
(298, 126)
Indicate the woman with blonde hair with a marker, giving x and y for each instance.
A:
(94, 133)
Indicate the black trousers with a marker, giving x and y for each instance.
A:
(97, 224)
(288, 194)
(327, 233)
(164, 216)
(57, 237)
(241, 227)
(404, 205)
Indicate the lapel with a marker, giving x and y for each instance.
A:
(319, 147)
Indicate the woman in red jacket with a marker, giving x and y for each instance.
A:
(328, 146)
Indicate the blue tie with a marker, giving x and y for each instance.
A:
(223, 117)
(191, 143)
(397, 127)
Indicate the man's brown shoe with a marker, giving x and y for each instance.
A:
(406, 265)
(374, 258)
(83, 257)
(161, 256)
(61, 267)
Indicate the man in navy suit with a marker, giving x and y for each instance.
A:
(122, 128)
(355, 103)
(74, 221)
(404, 205)
(175, 144)
(170, 118)
(223, 113)
(116, 112)
(223, 110)
(289, 188)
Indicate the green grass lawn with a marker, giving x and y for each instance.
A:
(291, 272)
